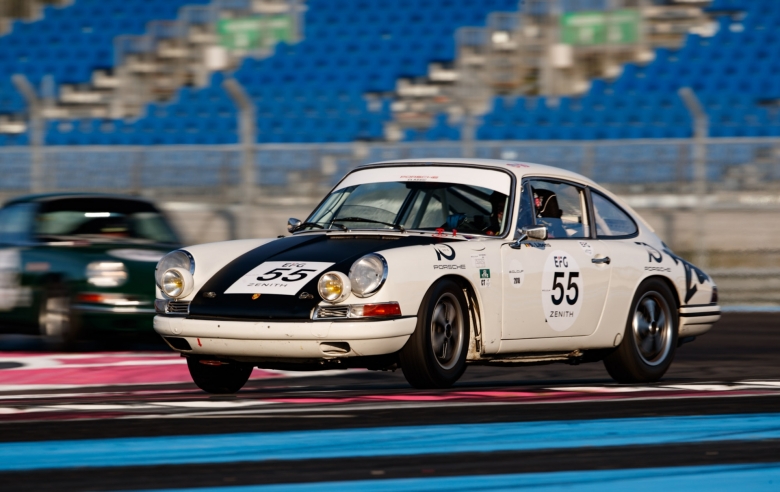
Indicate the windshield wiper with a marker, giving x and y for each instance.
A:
(371, 221)
(310, 224)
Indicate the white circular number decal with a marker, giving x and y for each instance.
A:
(561, 290)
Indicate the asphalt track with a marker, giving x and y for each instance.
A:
(131, 421)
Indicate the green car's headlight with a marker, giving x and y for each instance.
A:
(175, 259)
(106, 273)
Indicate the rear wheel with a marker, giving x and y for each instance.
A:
(435, 355)
(650, 338)
(218, 377)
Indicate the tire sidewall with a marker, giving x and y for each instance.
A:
(445, 376)
(640, 367)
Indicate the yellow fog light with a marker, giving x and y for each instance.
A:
(334, 287)
(177, 282)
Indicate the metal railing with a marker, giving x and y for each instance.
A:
(625, 166)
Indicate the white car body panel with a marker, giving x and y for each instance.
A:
(510, 286)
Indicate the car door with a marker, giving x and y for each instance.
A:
(15, 224)
(556, 287)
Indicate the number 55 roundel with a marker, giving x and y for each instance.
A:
(561, 290)
(277, 277)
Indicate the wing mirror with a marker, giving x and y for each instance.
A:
(536, 233)
(293, 224)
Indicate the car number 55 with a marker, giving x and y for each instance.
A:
(277, 277)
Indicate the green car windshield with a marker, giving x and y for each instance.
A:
(101, 219)
(413, 205)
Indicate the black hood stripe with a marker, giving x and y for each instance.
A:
(340, 249)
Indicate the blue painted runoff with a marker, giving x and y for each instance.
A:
(753, 477)
(386, 441)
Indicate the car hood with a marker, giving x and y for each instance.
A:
(340, 249)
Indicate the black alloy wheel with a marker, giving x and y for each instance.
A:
(435, 355)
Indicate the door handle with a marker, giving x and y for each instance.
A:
(599, 261)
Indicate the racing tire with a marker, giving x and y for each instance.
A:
(435, 355)
(650, 337)
(224, 379)
(56, 321)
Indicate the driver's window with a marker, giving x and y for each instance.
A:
(560, 207)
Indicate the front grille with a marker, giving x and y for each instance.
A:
(178, 307)
(325, 312)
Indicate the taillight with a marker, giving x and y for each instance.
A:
(714, 298)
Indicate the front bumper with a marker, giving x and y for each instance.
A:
(288, 340)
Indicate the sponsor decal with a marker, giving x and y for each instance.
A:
(277, 277)
(653, 255)
(658, 269)
(484, 277)
(479, 261)
(417, 178)
(449, 267)
(516, 274)
(136, 254)
(586, 247)
(444, 251)
(536, 244)
(562, 290)
(518, 165)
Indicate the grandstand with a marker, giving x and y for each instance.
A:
(137, 72)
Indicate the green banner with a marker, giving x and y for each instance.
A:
(597, 28)
(251, 33)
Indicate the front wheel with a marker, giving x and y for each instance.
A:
(435, 355)
(217, 377)
(56, 322)
(650, 338)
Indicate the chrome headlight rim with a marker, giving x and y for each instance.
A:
(187, 283)
(346, 287)
(382, 280)
(159, 272)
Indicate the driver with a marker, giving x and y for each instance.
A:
(497, 203)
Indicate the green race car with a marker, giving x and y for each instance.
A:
(80, 265)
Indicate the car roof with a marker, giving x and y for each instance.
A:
(518, 168)
(47, 197)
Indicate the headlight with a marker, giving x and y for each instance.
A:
(368, 274)
(334, 287)
(176, 259)
(106, 273)
(177, 282)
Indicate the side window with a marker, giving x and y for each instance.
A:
(611, 220)
(15, 223)
(560, 207)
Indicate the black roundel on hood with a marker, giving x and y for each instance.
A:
(340, 249)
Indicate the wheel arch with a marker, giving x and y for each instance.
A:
(669, 283)
(474, 307)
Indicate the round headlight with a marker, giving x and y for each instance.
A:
(368, 274)
(177, 282)
(334, 287)
(176, 259)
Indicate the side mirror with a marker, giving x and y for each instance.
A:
(537, 233)
(293, 225)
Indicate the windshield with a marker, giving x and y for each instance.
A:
(103, 219)
(403, 205)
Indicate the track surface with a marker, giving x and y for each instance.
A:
(132, 422)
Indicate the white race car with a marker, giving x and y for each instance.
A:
(433, 264)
